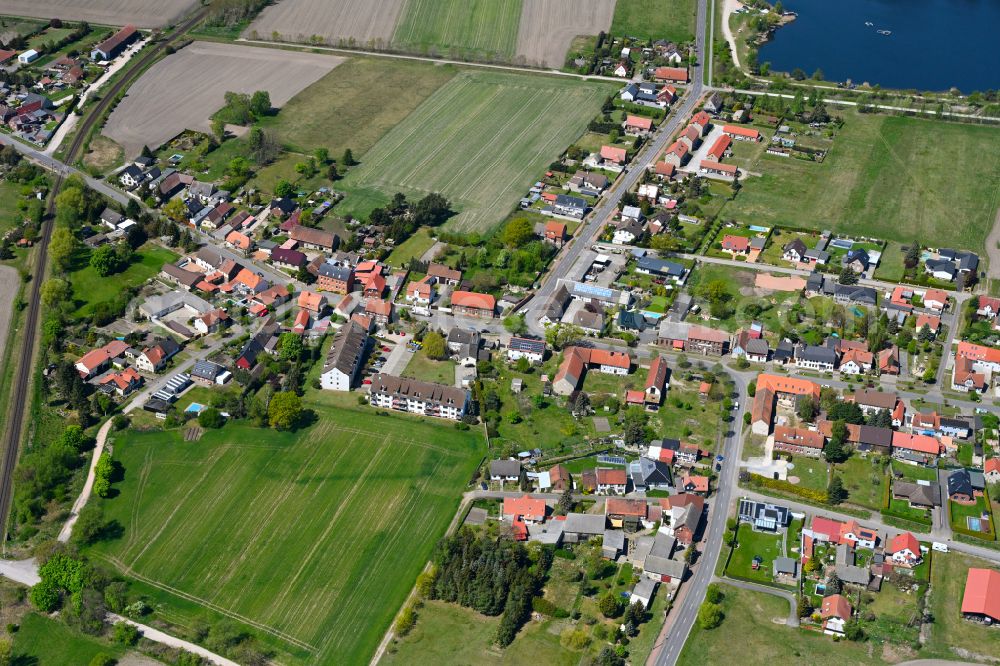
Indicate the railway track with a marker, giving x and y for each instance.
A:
(22, 379)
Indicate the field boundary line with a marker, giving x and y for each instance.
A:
(208, 604)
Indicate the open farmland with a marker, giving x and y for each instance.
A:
(183, 90)
(143, 13)
(472, 28)
(892, 177)
(655, 19)
(480, 140)
(548, 26)
(294, 534)
(338, 22)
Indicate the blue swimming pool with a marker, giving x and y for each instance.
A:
(195, 407)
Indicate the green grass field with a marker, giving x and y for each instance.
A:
(750, 634)
(412, 248)
(483, 29)
(10, 194)
(312, 538)
(755, 544)
(90, 288)
(655, 19)
(481, 140)
(950, 632)
(890, 177)
(42, 641)
(864, 482)
(427, 369)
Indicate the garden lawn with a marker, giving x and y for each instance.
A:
(291, 534)
(481, 29)
(750, 635)
(914, 472)
(450, 634)
(40, 640)
(412, 248)
(89, 288)
(10, 194)
(673, 20)
(427, 369)
(960, 513)
(686, 416)
(752, 544)
(890, 266)
(949, 631)
(481, 140)
(812, 472)
(890, 177)
(864, 482)
(900, 508)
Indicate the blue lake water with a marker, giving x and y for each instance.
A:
(934, 45)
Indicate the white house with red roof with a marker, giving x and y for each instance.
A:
(835, 612)
(98, 359)
(905, 550)
(526, 507)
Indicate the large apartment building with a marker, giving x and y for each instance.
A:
(417, 397)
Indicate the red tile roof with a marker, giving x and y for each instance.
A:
(471, 299)
(736, 130)
(671, 74)
(836, 605)
(905, 541)
(701, 118)
(525, 506)
(920, 443)
(982, 593)
(932, 322)
(619, 506)
(992, 465)
(978, 352)
(711, 165)
(665, 169)
(719, 148)
(612, 476)
(639, 122)
(735, 243)
(790, 385)
(798, 437)
(616, 155)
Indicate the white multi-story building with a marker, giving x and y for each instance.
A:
(417, 397)
(343, 361)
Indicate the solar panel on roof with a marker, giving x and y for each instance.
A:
(611, 460)
(593, 289)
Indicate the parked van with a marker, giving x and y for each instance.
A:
(940, 547)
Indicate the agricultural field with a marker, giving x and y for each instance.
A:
(339, 111)
(183, 90)
(655, 19)
(480, 140)
(337, 22)
(143, 13)
(548, 27)
(480, 29)
(890, 177)
(292, 534)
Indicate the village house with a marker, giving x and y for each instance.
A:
(313, 239)
(526, 508)
(763, 516)
(588, 183)
(611, 480)
(122, 383)
(333, 278)
(714, 168)
(637, 126)
(555, 233)
(689, 337)
(505, 471)
(472, 304)
(671, 74)
(154, 358)
(444, 275)
(905, 550)
(772, 389)
(627, 232)
(966, 486)
(677, 154)
(567, 206)
(529, 348)
(420, 293)
(648, 474)
(379, 310)
(97, 360)
(835, 613)
(681, 516)
(720, 149)
(736, 245)
(798, 441)
(211, 322)
(611, 156)
(577, 360)
(925, 495)
(312, 302)
(418, 397)
(816, 357)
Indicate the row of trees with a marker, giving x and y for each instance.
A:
(494, 576)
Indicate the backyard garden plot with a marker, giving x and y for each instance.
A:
(890, 177)
(293, 534)
(480, 140)
(469, 28)
(339, 22)
(183, 90)
(655, 19)
(143, 13)
(548, 27)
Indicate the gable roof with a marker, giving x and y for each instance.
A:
(905, 541)
(472, 299)
(982, 593)
(616, 155)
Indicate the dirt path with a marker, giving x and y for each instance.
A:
(10, 282)
(992, 249)
(729, 7)
(88, 485)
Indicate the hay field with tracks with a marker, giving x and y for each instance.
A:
(311, 539)
(548, 27)
(337, 22)
(481, 140)
(143, 13)
(183, 90)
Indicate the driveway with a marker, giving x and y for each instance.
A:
(399, 357)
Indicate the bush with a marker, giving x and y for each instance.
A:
(103, 659)
(710, 615)
(211, 418)
(713, 594)
(609, 605)
(125, 633)
(406, 620)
